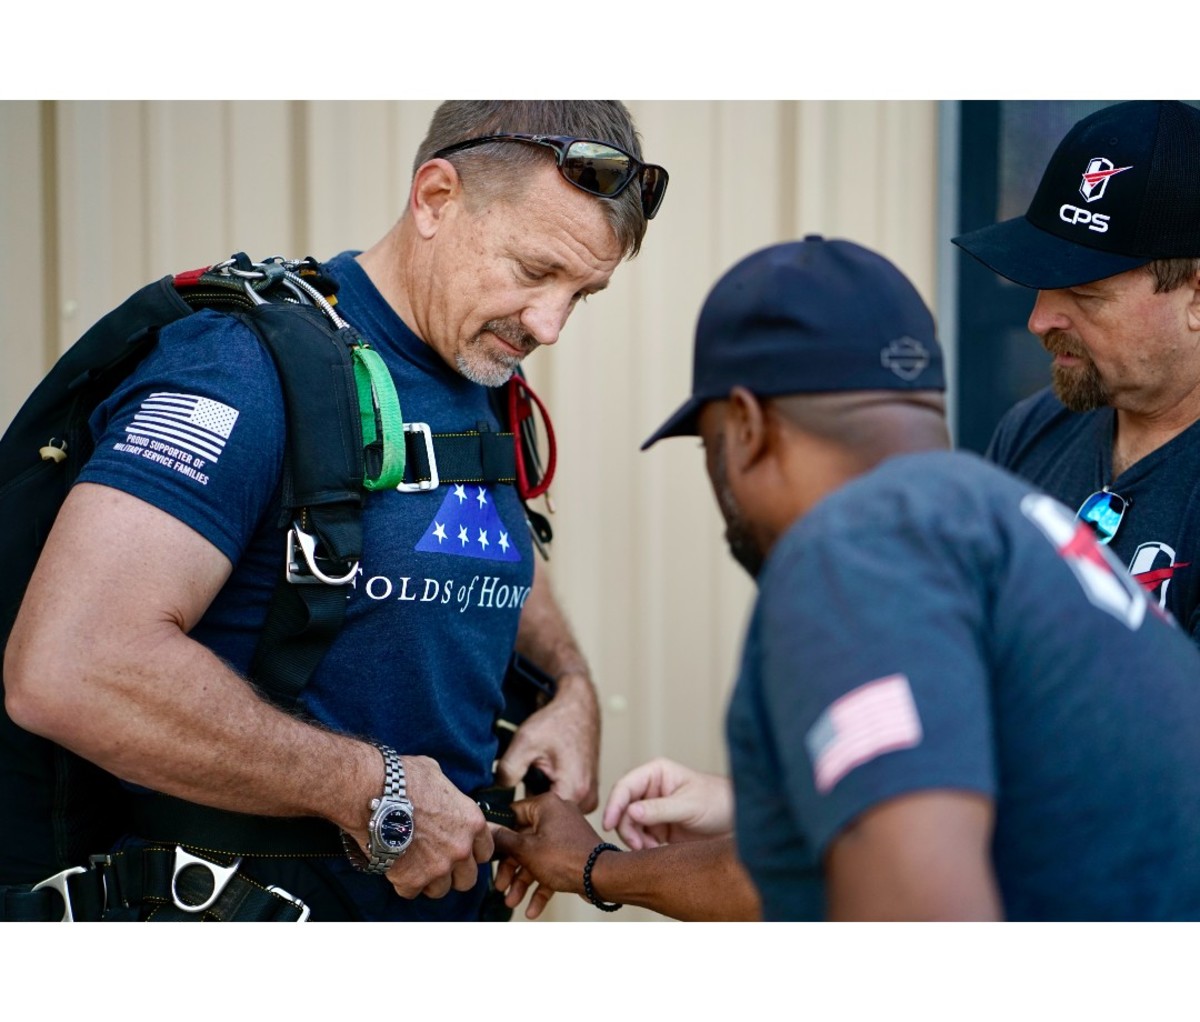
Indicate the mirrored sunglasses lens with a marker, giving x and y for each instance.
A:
(654, 186)
(597, 168)
(1103, 511)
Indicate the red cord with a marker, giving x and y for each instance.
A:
(520, 409)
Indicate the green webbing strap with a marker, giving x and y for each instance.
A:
(377, 398)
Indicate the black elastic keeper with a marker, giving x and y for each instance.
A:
(495, 452)
(604, 906)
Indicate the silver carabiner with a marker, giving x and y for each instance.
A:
(255, 297)
(308, 548)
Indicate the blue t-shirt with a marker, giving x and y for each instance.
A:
(198, 431)
(937, 624)
(1069, 455)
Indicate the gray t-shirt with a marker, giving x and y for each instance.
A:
(937, 624)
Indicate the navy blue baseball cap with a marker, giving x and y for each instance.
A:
(1121, 190)
(808, 317)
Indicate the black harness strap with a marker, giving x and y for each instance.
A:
(322, 485)
(302, 622)
(322, 491)
(119, 886)
(161, 881)
(478, 456)
(323, 464)
(85, 889)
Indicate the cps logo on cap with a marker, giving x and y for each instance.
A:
(1074, 215)
(1096, 177)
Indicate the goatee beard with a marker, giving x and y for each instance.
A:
(1078, 387)
(479, 364)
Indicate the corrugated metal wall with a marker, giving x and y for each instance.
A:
(101, 197)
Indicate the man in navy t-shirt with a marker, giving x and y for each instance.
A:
(145, 610)
(953, 702)
(1111, 243)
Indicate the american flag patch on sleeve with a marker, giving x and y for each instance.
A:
(196, 424)
(866, 722)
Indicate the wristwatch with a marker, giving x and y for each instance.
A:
(390, 829)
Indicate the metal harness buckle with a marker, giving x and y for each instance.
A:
(221, 875)
(295, 570)
(305, 912)
(432, 482)
(58, 882)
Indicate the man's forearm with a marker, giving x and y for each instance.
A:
(694, 881)
(545, 638)
(100, 661)
(563, 737)
(543, 634)
(164, 712)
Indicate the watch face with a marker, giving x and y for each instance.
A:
(396, 829)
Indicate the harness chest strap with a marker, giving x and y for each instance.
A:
(478, 456)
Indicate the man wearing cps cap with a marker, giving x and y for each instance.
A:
(1111, 242)
(942, 707)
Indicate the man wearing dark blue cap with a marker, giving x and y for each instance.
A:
(1111, 243)
(943, 709)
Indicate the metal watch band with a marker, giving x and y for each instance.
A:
(394, 787)
(393, 772)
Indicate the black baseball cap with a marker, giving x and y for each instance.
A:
(807, 317)
(1122, 189)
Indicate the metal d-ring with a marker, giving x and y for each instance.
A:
(221, 875)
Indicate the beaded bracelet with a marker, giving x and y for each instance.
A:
(604, 906)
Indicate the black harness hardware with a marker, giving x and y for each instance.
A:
(176, 884)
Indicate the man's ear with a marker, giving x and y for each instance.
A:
(435, 186)
(1193, 309)
(745, 430)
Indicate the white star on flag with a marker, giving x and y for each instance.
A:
(439, 531)
(460, 493)
(504, 541)
(462, 534)
(482, 498)
(483, 540)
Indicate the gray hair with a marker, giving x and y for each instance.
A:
(500, 169)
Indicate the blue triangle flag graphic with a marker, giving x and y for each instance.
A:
(468, 525)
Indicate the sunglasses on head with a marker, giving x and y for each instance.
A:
(596, 167)
(1103, 511)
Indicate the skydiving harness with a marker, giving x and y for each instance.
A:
(330, 376)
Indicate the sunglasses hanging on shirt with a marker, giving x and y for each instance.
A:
(1103, 511)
